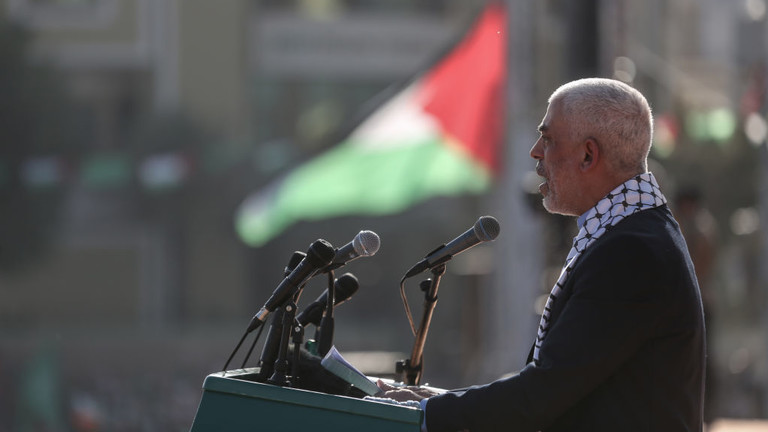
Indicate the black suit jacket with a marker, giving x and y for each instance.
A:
(625, 349)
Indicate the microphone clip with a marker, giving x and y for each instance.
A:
(424, 264)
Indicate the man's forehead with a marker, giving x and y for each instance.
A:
(546, 122)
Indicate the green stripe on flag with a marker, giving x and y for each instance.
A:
(343, 181)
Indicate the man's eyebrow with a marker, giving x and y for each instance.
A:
(543, 128)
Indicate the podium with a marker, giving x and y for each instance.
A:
(233, 401)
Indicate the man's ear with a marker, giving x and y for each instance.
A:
(591, 154)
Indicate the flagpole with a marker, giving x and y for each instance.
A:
(763, 252)
(512, 322)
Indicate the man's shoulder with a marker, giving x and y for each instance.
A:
(651, 234)
(655, 224)
(660, 215)
(644, 252)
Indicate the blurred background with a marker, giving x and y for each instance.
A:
(132, 130)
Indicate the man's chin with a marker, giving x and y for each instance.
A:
(552, 206)
(546, 201)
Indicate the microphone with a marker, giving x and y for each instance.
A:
(485, 229)
(324, 335)
(295, 260)
(366, 243)
(344, 287)
(319, 255)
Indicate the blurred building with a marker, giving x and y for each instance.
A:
(267, 82)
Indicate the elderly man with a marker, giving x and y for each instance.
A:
(620, 345)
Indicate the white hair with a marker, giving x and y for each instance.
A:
(614, 114)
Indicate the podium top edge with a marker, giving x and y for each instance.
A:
(236, 382)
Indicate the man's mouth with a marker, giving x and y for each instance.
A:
(544, 185)
(544, 188)
(540, 172)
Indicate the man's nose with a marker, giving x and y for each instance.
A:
(536, 150)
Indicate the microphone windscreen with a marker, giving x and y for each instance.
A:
(296, 258)
(487, 228)
(320, 253)
(366, 243)
(346, 286)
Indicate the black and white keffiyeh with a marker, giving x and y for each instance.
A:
(636, 194)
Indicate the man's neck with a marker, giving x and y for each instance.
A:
(604, 184)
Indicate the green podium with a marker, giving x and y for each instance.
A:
(233, 401)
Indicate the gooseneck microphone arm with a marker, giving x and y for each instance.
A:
(410, 370)
(327, 323)
(485, 229)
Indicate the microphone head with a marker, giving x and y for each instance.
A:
(320, 253)
(487, 228)
(296, 258)
(366, 243)
(346, 286)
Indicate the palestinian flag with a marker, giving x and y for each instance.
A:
(439, 136)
